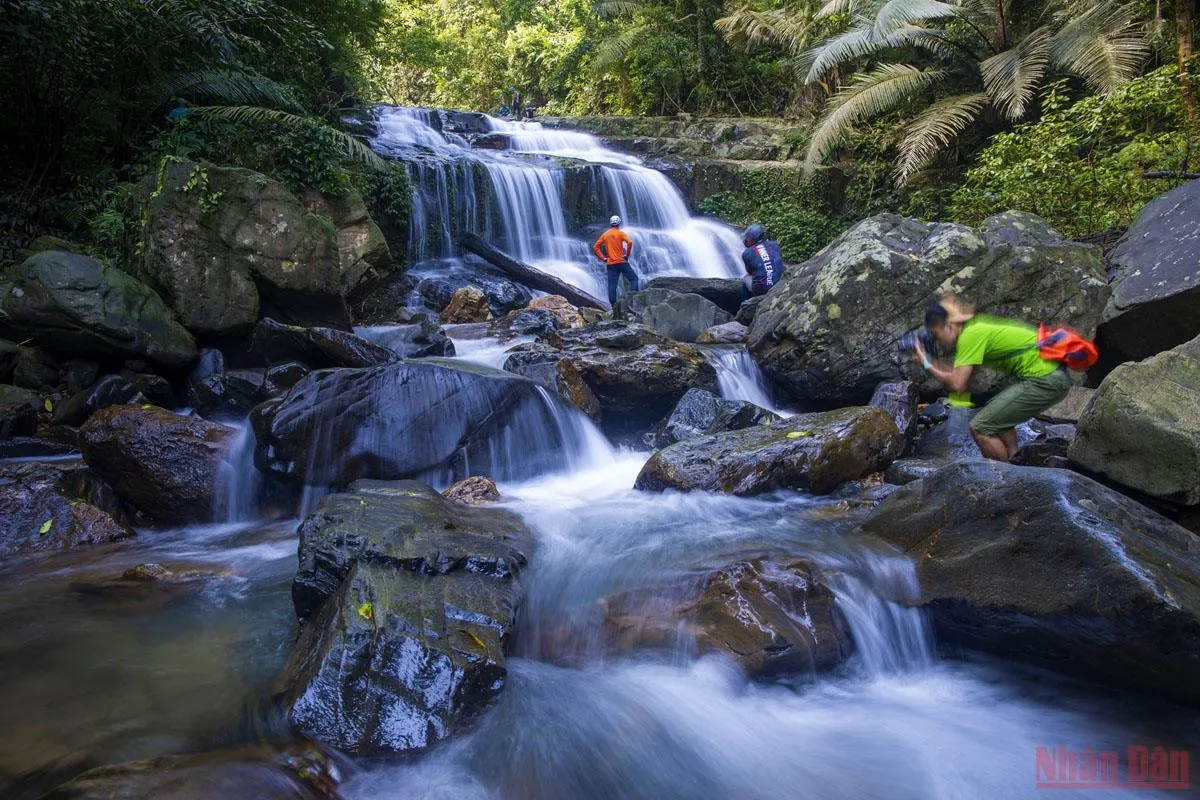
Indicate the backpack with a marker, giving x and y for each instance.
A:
(1060, 343)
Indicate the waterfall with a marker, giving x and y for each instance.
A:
(739, 378)
(238, 479)
(512, 188)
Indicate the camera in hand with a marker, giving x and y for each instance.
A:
(908, 342)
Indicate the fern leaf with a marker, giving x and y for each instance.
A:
(1104, 45)
(934, 128)
(354, 149)
(1012, 77)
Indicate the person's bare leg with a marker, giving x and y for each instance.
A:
(993, 447)
(1010, 442)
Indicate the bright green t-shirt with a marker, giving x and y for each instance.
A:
(1005, 345)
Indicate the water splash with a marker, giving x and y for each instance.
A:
(739, 378)
(238, 480)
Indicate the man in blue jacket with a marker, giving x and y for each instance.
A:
(763, 261)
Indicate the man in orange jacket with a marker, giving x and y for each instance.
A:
(614, 248)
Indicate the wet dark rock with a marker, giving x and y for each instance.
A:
(678, 316)
(114, 390)
(749, 309)
(316, 348)
(1155, 303)
(702, 413)
(77, 306)
(397, 421)
(503, 294)
(1049, 446)
(282, 377)
(770, 616)
(33, 447)
(726, 293)
(229, 395)
(828, 331)
(1142, 427)
(19, 409)
(726, 333)
(80, 373)
(260, 250)
(162, 463)
(1050, 567)
(410, 603)
(565, 314)
(811, 452)
(53, 506)
(626, 376)
(259, 771)
(382, 300)
(899, 398)
(524, 322)
(474, 491)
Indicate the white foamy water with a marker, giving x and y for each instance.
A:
(739, 378)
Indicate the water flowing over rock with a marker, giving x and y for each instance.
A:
(315, 348)
(1155, 301)
(828, 332)
(701, 413)
(1142, 427)
(162, 463)
(627, 376)
(678, 316)
(812, 452)
(75, 305)
(769, 616)
(221, 243)
(54, 506)
(410, 602)
(410, 419)
(1050, 567)
(415, 335)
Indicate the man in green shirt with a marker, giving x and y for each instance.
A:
(1000, 344)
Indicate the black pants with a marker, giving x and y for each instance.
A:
(750, 290)
(615, 271)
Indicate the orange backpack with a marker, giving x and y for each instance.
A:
(1060, 343)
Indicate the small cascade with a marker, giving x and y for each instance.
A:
(888, 637)
(238, 480)
(739, 378)
(542, 196)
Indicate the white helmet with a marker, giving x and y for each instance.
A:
(614, 220)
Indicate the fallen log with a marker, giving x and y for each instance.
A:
(529, 276)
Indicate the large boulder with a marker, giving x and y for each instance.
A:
(406, 419)
(899, 398)
(726, 293)
(1155, 301)
(678, 316)
(702, 413)
(409, 602)
(75, 305)
(164, 464)
(258, 771)
(813, 452)
(52, 506)
(220, 242)
(1142, 427)
(626, 376)
(19, 410)
(768, 615)
(315, 348)
(828, 331)
(1050, 567)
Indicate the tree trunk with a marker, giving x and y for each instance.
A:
(530, 276)
(1184, 50)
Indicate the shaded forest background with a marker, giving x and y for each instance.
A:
(953, 110)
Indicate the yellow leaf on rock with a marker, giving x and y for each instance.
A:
(46, 404)
(46, 526)
(367, 612)
(798, 434)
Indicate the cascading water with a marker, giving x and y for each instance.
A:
(527, 197)
(739, 378)
(238, 479)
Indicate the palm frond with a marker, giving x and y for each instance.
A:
(613, 50)
(862, 41)
(781, 26)
(896, 14)
(934, 128)
(1105, 45)
(619, 8)
(354, 149)
(869, 95)
(228, 87)
(1012, 77)
(834, 7)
